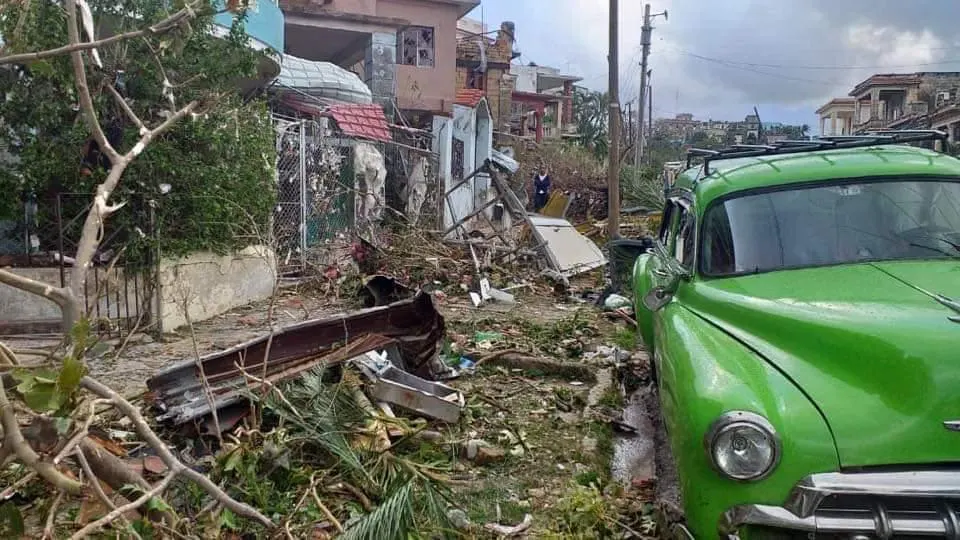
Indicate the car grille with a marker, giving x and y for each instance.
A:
(886, 517)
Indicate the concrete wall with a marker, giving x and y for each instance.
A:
(360, 7)
(427, 88)
(16, 305)
(211, 284)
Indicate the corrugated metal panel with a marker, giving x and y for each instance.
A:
(323, 79)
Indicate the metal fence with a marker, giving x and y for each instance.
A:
(315, 192)
(321, 192)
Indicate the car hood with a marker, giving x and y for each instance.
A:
(868, 343)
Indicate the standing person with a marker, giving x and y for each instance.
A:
(541, 188)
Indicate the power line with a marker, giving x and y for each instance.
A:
(731, 65)
(810, 67)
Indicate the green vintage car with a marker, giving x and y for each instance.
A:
(802, 308)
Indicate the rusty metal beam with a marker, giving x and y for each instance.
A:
(414, 324)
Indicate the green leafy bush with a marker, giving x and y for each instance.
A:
(219, 165)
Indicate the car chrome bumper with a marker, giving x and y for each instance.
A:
(880, 505)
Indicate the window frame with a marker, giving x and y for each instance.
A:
(681, 206)
(418, 30)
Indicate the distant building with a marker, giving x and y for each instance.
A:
(542, 102)
(900, 100)
(836, 117)
(483, 63)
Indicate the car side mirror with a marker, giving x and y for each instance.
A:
(669, 275)
(656, 298)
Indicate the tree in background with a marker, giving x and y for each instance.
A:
(66, 97)
(590, 114)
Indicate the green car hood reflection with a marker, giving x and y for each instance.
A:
(869, 345)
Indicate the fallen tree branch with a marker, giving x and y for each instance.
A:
(7, 493)
(56, 295)
(98, 489)
(13, 440)
(326, 511)
(174, 464)
(52, 516)
(120, 510)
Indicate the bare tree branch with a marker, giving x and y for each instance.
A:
(80, 75)
(39, 288)
(171, 22)
(100, 209)
(98, 489)
(174, 464)
(126, 108)
(52, 516)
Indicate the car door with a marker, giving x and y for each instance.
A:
(681, 249)
(650, 271)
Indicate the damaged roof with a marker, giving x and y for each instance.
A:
(469, 97)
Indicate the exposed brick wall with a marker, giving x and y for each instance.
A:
(497, 83)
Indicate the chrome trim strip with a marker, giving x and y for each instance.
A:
(812, 490)
(842, 523)
(679, 531)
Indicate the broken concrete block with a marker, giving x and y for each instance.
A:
(489, 454)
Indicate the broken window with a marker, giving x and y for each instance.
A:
(416, 46)
(475, 79)
(457, 168)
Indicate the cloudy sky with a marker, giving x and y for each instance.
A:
(787, 58)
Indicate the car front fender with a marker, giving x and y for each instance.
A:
(642, 283)
(704, 373)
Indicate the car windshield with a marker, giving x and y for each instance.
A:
(838, 223)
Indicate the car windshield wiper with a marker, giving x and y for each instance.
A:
(938, 250)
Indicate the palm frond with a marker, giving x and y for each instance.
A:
(322, 413)
(389, 521)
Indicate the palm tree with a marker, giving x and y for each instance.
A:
(804, 129)
(590, 115)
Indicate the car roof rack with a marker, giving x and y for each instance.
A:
(872, 138)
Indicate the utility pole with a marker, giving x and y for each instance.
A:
(650, 111)
(613, 178)
(645, 32)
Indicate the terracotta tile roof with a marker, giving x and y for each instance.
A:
(363, 121)
(468, 97)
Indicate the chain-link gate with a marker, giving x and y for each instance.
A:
(288, 216)
(315, 193)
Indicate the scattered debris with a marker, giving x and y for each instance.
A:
(510, 532)
(568, 251)
(395, 386)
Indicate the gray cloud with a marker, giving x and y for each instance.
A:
(883, 35)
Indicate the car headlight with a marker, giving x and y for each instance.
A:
(743, 446)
